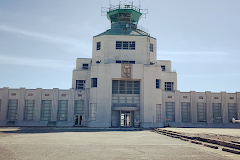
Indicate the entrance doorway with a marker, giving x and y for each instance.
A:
(78, 120)
(125, 118)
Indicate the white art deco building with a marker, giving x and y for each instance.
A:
(122, 85)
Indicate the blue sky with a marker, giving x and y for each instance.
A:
(40, 40)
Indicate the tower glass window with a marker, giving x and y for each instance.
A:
(125, 45)
(168, 86)
(98, 45)
(85, 66)
(158, 81)
(151, 47)
(80, 84)
(94, 82)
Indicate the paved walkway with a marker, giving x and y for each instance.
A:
(61, 144)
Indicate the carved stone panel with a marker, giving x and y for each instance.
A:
(126, 71)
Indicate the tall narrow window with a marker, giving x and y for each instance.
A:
(163, 68)
(217, 112)
(29, 110)
(62, 110)
(93, 111)
(158, 113)
(79, 107)
(170, 111)
(186, 116)
(98, 45)
(151, 47)
(201, 112)
(0, 106)
(80, 84)
(94, 82)
(168, 86)
(46, 110)
(232, 111)
(12, 109)
(158, 82)
(85, 66)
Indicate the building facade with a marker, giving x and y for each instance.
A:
(122, 85)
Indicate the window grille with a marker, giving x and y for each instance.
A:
(125, 87)
(163, 68)
(94, 82)
(186, 112)
(201, 112)
(12, 109)
(80, 84)
(168, 86)
(151, 47)
(79, 107)
(232, 111)
(132, 62)
(170, 111)
(98, 45)
(125, 100)
(158, 113)
(217, 112)
(29, 110)
(158, 81)
(62, 110)
(125, 45)
(93, 111)
(85, 66)
(46, 110)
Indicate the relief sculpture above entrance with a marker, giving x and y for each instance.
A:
(126, 71)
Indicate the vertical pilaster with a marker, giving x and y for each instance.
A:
(38, 104)
(238, 104)
(209, 107)
(177, 106)
(71, 104)
(163, 112)
(193, 103)
(21, 104)
(54, 104)
(4, 104)
(224, 107)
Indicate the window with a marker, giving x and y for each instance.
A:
(215, 97)
(46, 110)
(13, 94)
(125, 100)
(79, 107)
(62, 110)
(125, 87)
(94, 82)
(79, 95)
(85, 66)
(231, 97)
(232, 111)
(200, 97)
(170, 111)
(80, 84)
(184, 97)
(168, 86)
(132, 62)
(12, 110)
(125, 45)
(158, 113)
(169, 96)
(30, 94)
(151, 47)
(47, 95)
(93, 111)
(63, 95)
(158, 83)
(186, 112)
(201, 112)
(0, 106)
(29, 110)
(163, 68)
(98, 45)
(217, 112)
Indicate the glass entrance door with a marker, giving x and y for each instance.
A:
(125, 118)
(78, 120)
